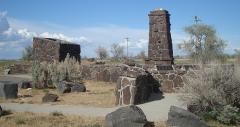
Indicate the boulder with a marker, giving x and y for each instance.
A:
(49, 98)
(130, 116)
(25, 85)
(1, 111)
(78, 88)
(64, 87)
(8, 90)
(179, 117)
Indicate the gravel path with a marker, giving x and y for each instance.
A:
(154, 111)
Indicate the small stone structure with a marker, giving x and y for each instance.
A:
(49, 49)
(160, 42)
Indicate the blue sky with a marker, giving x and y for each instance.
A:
(94, 23)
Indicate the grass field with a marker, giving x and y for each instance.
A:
(96, 95)
(55, 119)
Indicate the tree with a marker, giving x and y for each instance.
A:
(141, 55)
(101, 52)
(27, 53)
(117, 51)
(203, 45)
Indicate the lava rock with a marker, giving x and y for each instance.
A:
(8, 90)
(25, 85)
(179, 117)
(64, 87)
(130, 116)
(49, 98)
(78, 88)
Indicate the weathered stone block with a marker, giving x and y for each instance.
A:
(8, 90)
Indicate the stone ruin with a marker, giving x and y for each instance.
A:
(160, 50)
(49, 49)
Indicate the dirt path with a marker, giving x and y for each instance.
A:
(154, 111)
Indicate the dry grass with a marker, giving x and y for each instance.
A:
(99, 94)
(217, 124)
(27, 119)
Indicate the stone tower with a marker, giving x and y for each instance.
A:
(160, 42)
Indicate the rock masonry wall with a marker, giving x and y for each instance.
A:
(49, 49)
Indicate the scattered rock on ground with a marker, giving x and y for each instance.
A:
(130, 116)
(67, 87)
(8, 90)
(179, 117)
(49, 98)
(78, 88)
(64, 87)
(25, 85)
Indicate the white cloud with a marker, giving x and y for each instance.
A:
(64, 37)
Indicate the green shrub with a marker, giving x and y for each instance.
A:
(229, 115)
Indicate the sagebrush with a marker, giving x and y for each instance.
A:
(212, 89)
(46, 74)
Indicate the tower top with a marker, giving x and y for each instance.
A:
(158, 11)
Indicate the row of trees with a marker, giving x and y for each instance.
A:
(117, 52)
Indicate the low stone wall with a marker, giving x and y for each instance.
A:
(170, 78)
(19, 69)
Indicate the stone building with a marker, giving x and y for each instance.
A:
(160, 50)
(49, 49)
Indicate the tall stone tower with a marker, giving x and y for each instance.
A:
(160, 42)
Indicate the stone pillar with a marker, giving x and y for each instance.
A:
(160, 42)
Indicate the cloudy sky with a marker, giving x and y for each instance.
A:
(94, 23)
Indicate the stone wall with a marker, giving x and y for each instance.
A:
(169, 80)
(49, 49)
(18, 69)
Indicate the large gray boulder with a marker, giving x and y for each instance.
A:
(64, 87)
(130, 116)
(78, 88)
(8, 90)
(179, 117)
(49, 98)
(1, 111)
